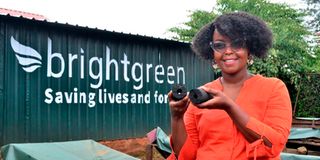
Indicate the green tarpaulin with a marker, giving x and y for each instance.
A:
(163, 141)
(289, 156)
(72, 150)
(301, 133)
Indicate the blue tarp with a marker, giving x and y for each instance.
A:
(72, 150)
(289, 156)
(306, 118)
(301, 133)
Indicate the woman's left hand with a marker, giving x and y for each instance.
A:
(219, 100)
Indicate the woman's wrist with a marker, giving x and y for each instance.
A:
(237, 114)
(176, 118)
(229, 105)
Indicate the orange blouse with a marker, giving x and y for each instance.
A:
(213, 135)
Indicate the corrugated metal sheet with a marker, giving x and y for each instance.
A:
(49, 73)
(15, 13)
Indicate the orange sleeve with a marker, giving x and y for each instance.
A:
(189, 149)
(275, 126)
(187, 152)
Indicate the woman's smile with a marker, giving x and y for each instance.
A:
(229, 62)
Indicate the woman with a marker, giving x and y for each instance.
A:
(250, 115)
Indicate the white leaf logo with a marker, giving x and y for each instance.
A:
(27, 57)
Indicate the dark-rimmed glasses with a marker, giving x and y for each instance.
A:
(221, 46)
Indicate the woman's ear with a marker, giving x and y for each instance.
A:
(250, 60)
(214, 64)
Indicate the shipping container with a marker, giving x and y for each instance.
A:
(63, 82)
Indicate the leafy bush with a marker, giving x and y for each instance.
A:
(308, 103)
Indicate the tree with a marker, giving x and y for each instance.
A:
(198, 19)
(290, 50)
(312, 21)
(313, 9)
(291, 55)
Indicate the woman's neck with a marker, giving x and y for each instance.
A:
(235, 79)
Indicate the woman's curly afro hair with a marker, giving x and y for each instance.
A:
(236, 25)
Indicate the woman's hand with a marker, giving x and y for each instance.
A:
(219, 100)
(178, 108)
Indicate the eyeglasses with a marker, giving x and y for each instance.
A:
(221, 47)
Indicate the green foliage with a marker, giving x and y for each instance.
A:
(198, 19)
(291, 55)
(309, 102)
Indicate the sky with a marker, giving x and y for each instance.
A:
(143, 17)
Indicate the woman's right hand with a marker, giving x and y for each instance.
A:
(178, 108)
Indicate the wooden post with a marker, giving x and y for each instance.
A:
(149, 152)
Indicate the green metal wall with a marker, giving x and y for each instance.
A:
(49, 70)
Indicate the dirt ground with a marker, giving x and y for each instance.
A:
(135, 147)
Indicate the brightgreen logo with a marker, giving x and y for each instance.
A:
(98, 70)
(27, 57)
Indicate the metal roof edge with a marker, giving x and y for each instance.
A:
(94, 29)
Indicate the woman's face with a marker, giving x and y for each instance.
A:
(230, 55)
